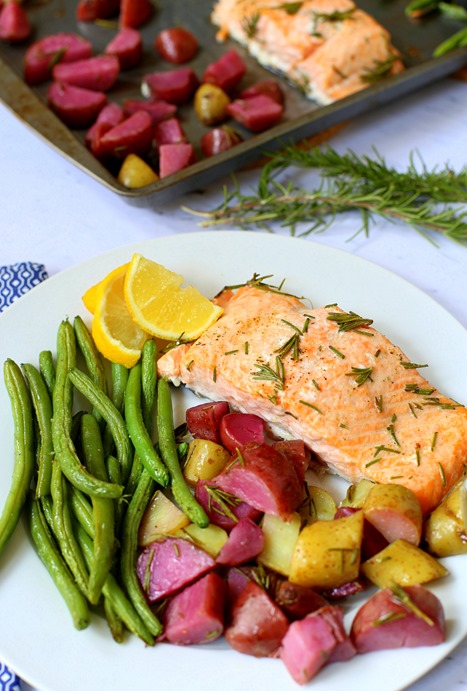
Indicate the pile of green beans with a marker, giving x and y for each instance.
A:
(85, 477)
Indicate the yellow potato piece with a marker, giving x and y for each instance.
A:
(135, 173)
(357, 493)
(327, 553)
(162, 517)
(205, 460)
(446, 528)
(280, 538)
(211, 539)
(322, 506)
(403, 563)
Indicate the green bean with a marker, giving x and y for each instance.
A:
(65, 452)
(113, 418)
(47, 369)
(148, 401)
(63, 530)
(116, 596)
(129, 545)
(138, 432)
(168, 448)
(24, 463)
(148, 382)
(458, 40)
(102, 508)
(119, 376)
(92, 357)
(82, 509)
(55, 565)
(42, 404)
(114, 471)
(115, 623)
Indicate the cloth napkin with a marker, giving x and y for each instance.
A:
(16, 280)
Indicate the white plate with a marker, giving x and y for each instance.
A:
(37, 637)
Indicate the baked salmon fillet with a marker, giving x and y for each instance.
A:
(330, 48)
(328, 377)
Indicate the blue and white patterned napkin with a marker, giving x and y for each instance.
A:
(16, 280)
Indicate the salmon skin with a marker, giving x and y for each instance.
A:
(328, 377)
(329, 48)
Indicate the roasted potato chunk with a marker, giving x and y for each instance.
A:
(446, 527)
(327, 553)
(403, 563)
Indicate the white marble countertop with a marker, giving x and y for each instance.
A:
(53, 213)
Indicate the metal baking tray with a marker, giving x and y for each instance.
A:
(302, 118)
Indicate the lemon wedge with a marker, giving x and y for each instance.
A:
(91, 296)
(161, 306)
(115, 334)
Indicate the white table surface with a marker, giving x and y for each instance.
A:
(51, 212)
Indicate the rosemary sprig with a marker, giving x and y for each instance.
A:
(333, 17)
(289, 7)
(361, 374)
(420, 198)
(348, 321)
(380, 70)
(266, 373)
(250, 24)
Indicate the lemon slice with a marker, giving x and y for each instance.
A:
(115, 333)
(91, 296)
(159, 305)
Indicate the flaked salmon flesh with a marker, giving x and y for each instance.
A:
(328, 377)
(330, 48)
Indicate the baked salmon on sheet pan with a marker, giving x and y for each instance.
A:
(328, 377)
(330, 48)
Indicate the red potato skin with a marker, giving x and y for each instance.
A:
(127, 47)
(215, 512)
(315, 641)
(15, 26)
(257, 113)
(97, 74)
(158, 110)
(257, 624)
(110, 116)
(218, 139)
(174, 86)
(132, 136)
(384, 623)
(245, 542)
(90, 10)
(267, 87)
(238, 429)
(42, 55)
(264, 479)
(297, 601)
(176, 45)
(76, 107)
(196, 614)
(296, 451)
(203, 420)
(169, 131)
(227, 72)
(135, 13)
(172, 564)
(175, 157)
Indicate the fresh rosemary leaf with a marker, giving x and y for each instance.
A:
(348, 320)
(361, 374)
(380, 70)
(418, 197)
